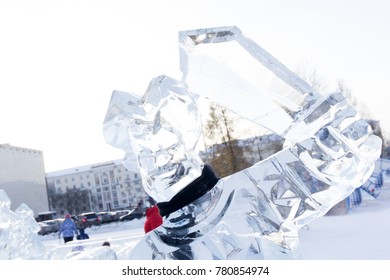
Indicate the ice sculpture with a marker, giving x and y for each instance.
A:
(255, 213)
(18, 232)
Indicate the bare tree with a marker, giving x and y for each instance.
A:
(227, 156)
(310, 75)
(73, 201)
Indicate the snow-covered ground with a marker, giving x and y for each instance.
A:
(121, 235)
(364, 233)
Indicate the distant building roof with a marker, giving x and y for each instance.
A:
(20, 149)
(81, 169)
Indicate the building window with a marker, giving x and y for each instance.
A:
(112, 176)
(97, 180)
(107, 196)
(104, 178)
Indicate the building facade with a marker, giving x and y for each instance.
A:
(22, 177)
(109, 186)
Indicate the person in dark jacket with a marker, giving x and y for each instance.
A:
(153, 219)
(68, 229)
(82, 235)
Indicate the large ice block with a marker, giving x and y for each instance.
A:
(18, 232)
(255, 213)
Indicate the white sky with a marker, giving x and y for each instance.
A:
(61, 60)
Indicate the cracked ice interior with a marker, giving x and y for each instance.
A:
(255, 213)
(329, 151)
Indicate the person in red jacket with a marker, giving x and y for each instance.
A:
(153, 218)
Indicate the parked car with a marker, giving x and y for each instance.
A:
(48, 227)
(120, 213)
(59, 221)
(44, 228)
(89, 219)
(107, 217)
(134, 214)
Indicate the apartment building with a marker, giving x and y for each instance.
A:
(22, 177)
(110, 186)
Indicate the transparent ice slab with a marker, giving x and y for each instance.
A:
(255, 213)
(224, 65)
